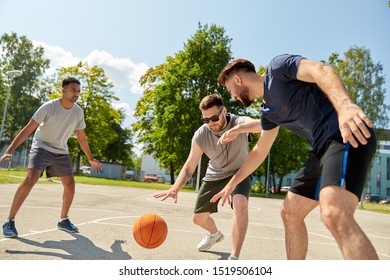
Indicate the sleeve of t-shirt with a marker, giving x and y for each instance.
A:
(42, 113)
(81, 124)
(285, 67)
(239, 120)
(196, 136)
(266, 124)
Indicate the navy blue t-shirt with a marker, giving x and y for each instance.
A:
(296, 105)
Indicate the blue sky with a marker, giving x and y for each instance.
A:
(126, 37)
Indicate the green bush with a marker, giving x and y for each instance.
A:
(258, 187)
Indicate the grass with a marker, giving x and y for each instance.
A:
(16, 176)
(376, 207)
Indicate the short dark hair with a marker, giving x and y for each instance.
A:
(236, 65)
(70, 80)
(210, 101)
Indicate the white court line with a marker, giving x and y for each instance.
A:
(55, 229)
(202, 232)
(29, 234)
(379, 237)
(58, 207)
(155, 200)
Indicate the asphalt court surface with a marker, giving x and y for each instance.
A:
(105, 216)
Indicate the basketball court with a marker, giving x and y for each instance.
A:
(105, 216)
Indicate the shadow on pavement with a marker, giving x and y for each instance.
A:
(81, 248)
(222, 255)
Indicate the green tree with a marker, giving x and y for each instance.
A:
(103, 129)
(364, 81)
(28, 91)
(288, 153)
(137, 162)
(168, 112)
(120, 150)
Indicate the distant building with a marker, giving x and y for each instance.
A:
(379, 177)
(110, 170)
(150, 166)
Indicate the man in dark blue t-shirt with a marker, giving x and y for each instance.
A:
(310, 99)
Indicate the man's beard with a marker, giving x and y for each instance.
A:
(220, 127)
(244, 96)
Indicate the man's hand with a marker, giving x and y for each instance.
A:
(224, 195)
(228, 136)
(353, 122)
(5, 157)
(169, 193)
(96, 165)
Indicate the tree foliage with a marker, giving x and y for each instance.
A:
(288, 153)
(364, 81)
(168, 112)
(28, 91)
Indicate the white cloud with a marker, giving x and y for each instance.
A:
(125, 107)
(58, 57)
(122, 72)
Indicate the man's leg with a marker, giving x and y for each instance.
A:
(294, 210)
(213, 236)
(23, 191)
(205, 221)
(337, 209)
(240, 223)
(68, 195)
(202, 213)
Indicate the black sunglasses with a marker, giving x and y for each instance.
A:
(214, 118)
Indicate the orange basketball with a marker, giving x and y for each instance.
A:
(150, 231)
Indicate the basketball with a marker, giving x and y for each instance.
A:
(150, 231)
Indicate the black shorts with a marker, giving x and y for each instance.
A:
(54, 164)
(337, 164)
(210, 188)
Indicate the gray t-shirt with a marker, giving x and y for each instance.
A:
(56, 125)
(226, 159)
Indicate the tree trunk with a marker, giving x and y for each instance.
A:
(172, 172)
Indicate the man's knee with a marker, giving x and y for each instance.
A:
(297, 207)
(68, 182)
(199, 218)
(288, 210)
(31, 179)
(285, 213)
(334, 219)
(337, 208)
(240, 203)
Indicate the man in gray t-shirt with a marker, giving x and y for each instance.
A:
(224, 162)
(54, 122)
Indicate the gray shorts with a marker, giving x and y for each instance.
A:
(211, 188)
(54, 164)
